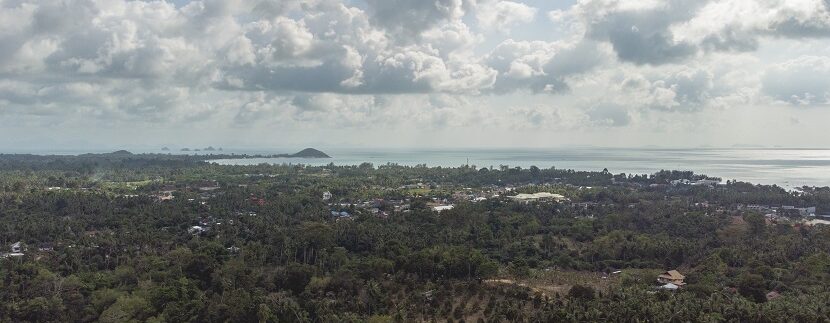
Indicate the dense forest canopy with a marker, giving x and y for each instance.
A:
(167, 238)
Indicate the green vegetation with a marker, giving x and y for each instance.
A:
(166, 238)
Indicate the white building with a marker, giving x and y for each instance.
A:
(196, 229)
(326, 196)
(17, 247)
(538, 197)
(442, 208)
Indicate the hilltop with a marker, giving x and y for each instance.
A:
(309, 153)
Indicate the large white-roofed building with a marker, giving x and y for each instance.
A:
(538, 197)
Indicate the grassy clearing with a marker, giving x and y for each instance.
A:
(559, 282)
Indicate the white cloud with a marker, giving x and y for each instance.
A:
(500, 14)
(801, 81)
(334, 63)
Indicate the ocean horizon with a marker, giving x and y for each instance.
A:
(786, 167)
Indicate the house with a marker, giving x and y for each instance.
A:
(680, 182)
(807, 211)
(196, 230)
(442, 208)
(17, 247)
(326, 196)
(46, 247)
(341, 214)
(164, 196)
(671, 276)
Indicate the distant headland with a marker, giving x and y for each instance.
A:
(308, 153)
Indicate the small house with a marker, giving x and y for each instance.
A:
(46, 247)
(671, 276)
(441, 208)
(17, 247)
(196, 230)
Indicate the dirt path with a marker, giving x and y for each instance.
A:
(545, 290)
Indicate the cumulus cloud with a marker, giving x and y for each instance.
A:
(740, 25)
(542, 67)
(639, 31)
(503, 14)
(609, 114)
(801, 81)
(339, 63)
(408, 18)
(671, 31)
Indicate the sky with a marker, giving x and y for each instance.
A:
(91, 74)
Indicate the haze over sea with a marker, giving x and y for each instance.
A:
(788, 168)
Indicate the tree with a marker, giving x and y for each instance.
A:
(581, 292)
(752, 286)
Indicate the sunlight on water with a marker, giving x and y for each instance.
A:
(788, 168)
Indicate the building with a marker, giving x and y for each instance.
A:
(164, 196)
(46, 247)
(680, 182)
(207, 186)
(669, 286)
(817, 222)
(671, 276)
(326, 196)
(17, 247)
(196, 230)
(442, 208)
(706, 182)
(537, 197)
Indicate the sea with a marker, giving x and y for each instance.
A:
(789, 168)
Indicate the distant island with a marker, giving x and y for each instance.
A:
(305, 153)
